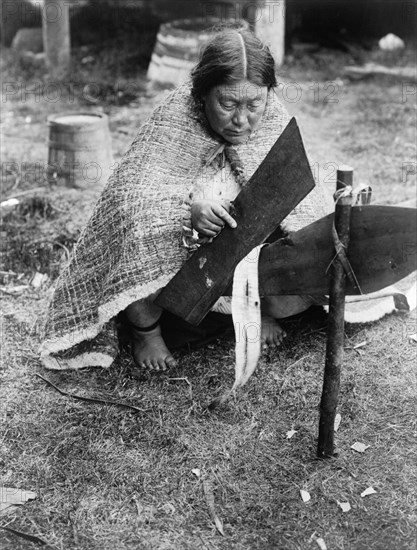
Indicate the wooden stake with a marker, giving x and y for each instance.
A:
(269, 26)
(56, 37)
(336, 323)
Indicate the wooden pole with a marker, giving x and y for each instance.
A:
(269, 26)
(336, 323)
(56, 37)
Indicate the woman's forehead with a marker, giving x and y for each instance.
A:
(243, 89)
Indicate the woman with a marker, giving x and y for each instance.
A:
(171, 192)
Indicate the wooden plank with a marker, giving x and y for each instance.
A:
(282, 180)
(382, 251)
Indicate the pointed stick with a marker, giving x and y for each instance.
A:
(336, 323)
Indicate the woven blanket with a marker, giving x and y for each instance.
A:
(132, 244)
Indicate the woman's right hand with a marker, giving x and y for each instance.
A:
(209, 216)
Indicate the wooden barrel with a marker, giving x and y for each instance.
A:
(178, 46)
(79, 149)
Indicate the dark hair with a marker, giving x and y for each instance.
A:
(230, 56)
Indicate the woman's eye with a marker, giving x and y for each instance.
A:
(227, 105)
(254, 106)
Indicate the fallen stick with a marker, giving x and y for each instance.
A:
(27, 192)
(372, 69)
(91, 399)
(335, 327)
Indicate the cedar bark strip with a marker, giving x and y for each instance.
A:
(336, 324)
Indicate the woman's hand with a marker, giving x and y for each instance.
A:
(208, 217)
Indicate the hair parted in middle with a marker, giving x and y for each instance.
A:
(233, 55)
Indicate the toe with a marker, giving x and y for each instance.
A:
(148, 364)
(170, 362)
(162, 364)
(155, 364)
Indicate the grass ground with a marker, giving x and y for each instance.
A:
(111, 478)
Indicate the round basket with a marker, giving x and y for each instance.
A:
(178, 46)
(79, 149)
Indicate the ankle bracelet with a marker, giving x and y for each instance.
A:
(145, 329)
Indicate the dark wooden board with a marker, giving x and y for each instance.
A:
(282, 180)
(382, 251)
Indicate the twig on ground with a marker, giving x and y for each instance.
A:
(321, 329)
(286, 372)
(67, 252)
(26, 192)
(91, 399)
(185, 380)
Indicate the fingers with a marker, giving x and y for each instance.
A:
(223, 214)
(229, 206)
(210, 225)
(210, 228)
(207, 233)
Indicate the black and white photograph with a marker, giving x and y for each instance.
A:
(208, 269)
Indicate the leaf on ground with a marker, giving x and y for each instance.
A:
(208, 493)
(368, 491)
(345, 506)
(26, 536)
(305, 495)
(359, 447)
(9, 203)
(413, 337)
(321, 544)
(10, 497)
(290, 433)
(337, 420)
(39, 279)
(196, 472)
(360, 345)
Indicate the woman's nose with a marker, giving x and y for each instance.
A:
(239, 117)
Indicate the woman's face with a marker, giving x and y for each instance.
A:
(235, 110)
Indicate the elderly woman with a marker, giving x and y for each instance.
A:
(171, 192)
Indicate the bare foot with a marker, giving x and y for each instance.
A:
(149, 350)
(271, 331)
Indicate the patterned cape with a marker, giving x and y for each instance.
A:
(132, 245)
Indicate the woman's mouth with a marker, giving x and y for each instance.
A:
(237, 132)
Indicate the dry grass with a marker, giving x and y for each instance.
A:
(110, 478)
